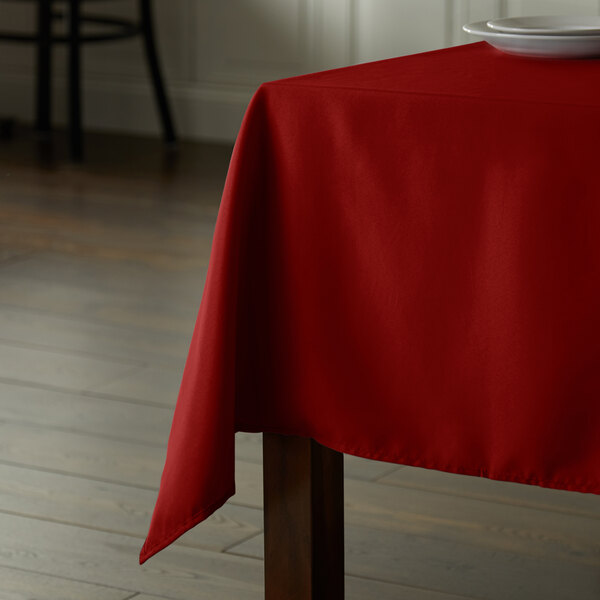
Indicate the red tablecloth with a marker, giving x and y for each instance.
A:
(406, 267)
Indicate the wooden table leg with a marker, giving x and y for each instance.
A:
(304, 519)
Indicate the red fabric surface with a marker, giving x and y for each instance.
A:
(406, 267)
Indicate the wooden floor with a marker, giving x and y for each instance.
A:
(101, 273)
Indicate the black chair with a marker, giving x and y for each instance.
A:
(110, 29)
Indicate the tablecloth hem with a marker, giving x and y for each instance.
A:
(582, 486)
(148, 552)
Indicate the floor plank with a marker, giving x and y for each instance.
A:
(80, 454)
(50, 331)
(150, 312)
(155, 384)
(16, 584)
(112, 507)
(64, 369)
(111, 559)
(369, 589)
(497, 491)
(360, 588)
(126, 278)
(482, 524)
(9, 254)
(451, 566)
(76, 413)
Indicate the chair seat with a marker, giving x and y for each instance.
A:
(110, 29)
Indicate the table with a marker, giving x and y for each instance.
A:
(406, 267)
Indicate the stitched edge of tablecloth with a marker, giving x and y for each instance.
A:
(574, 485)
(197, 517)
(578, 485)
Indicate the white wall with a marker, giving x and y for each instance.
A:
(216, 52)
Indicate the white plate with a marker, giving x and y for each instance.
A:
(550, 25)
(542, 46)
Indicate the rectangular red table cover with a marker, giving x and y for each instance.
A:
(405, 267)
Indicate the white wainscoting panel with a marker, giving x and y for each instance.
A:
(215, 53)
(384, 28)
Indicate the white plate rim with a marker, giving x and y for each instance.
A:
(481, 28)
(574, 30)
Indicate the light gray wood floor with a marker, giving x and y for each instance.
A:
(101, 274)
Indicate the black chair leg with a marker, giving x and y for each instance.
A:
(147, 30)
(74, 47)
(44, 58)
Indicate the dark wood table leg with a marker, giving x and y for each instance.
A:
(304, 519)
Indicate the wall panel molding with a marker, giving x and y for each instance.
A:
(469, 11)
(333, 33)
(215, 54)
(209, 112)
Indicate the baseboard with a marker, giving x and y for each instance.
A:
(207, 112)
